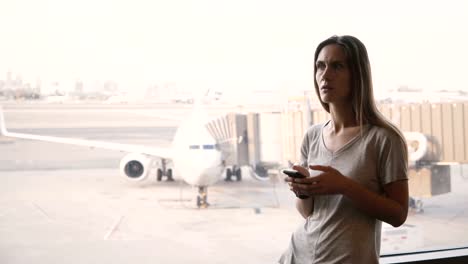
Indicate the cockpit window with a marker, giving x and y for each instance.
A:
(207, 146)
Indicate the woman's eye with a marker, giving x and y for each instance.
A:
(338, 66)
(320, 66)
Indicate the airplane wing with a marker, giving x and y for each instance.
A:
(153, 151)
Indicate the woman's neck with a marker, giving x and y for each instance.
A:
(342, 117)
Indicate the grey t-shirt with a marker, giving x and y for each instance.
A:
(337, 232)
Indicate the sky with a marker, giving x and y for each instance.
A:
(230, 45)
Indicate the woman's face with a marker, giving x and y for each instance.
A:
(333, 75)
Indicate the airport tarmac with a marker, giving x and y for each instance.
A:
(68, 204)
(88, 216)
(62, 203)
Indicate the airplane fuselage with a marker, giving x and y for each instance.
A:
(198, 160)
(199, 167)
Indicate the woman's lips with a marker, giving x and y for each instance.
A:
(326, 88)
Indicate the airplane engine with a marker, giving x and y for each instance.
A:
(417, 145)
(135, 166)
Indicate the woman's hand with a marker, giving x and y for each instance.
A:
(329, 181)
(391, 208)
(290, 180)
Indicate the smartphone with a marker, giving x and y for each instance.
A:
(295, 174)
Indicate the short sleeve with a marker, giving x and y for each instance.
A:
(393, 163)
(304, 150)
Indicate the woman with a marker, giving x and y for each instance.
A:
(356, 165)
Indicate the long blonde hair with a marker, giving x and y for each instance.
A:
(362, 95)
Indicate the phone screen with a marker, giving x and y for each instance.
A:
(293, 173)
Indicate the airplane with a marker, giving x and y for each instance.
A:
(195, 155)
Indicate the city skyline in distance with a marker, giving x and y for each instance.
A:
(245, 45)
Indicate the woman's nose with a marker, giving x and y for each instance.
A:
(327, 73)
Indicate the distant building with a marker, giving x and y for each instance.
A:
(110, 87)
(79, 87)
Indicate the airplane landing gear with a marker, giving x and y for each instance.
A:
(163, 172)
(202, 198)
(236, 172)
(168, 174)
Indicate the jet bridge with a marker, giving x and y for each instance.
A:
(252, 140)
(230, 132)
(437, 138)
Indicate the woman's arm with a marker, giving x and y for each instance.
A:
(392, 207)
(305, 206)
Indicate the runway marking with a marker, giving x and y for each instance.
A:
(41, 210)
(113, 228)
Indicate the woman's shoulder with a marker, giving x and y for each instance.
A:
(316, 127)
(384, 134)
(315, 130)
